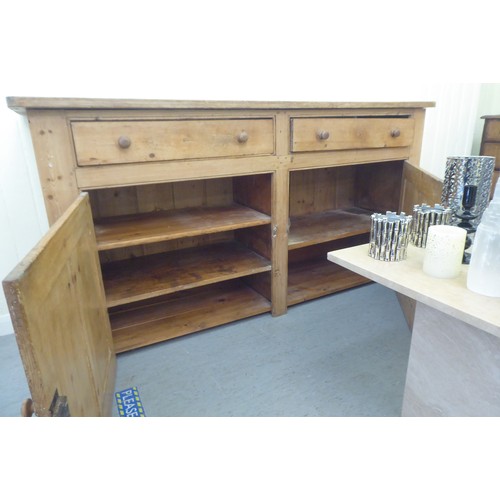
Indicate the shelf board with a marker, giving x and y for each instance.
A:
(315, 278)
(183, 313)
(311, 229)
(159, 274)
(138, 229)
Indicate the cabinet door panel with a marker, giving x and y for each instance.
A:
(418, 187)
(56, 301)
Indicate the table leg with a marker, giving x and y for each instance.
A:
(453, 368)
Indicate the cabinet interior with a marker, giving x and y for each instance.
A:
(179, 257)
(330, 208)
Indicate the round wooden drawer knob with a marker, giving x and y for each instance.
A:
(124, 142)
(395, 133)
(323, 135)
(242, 137)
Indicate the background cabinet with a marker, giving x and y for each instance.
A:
(209, 212)
(490, 144)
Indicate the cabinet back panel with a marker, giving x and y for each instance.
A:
(379, 186)
(319, 251)
(317, 190)
(164, 246)
(167, 196)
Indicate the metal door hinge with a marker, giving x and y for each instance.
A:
(59, 406)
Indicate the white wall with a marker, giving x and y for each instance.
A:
(208, 50)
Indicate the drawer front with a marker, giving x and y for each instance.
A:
(333, 134)
(492, 130)
(107, 143)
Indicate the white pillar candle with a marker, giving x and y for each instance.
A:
(444, 251)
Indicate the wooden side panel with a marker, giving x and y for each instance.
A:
(54, 157)
(279, 235)
(416, 147)
(418, 187)
(56, 300)
(253, 191)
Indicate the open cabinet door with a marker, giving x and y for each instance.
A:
(418, 187)
(58, 309)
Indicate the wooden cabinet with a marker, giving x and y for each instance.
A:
(490, 144)
(209, 212)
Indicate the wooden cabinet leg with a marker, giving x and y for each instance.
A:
(27, 408)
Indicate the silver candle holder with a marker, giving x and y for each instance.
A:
(472, 171)
(389, 236)
(425, 216)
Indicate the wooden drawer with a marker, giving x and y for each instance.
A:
(332, 134)
(114, 142)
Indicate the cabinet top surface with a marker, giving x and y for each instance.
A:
(450, 296)
(23, 103)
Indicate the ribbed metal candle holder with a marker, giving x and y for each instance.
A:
(425, 216)
(389, 236)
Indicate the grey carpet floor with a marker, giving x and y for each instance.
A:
(342, 355)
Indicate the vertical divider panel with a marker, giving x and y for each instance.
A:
(280, 202)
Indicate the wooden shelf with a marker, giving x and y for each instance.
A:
(183, 313)
(325, 226)
(138, 229)
(315, 278)
(154, 275)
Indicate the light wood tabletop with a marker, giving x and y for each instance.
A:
(450, 296)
